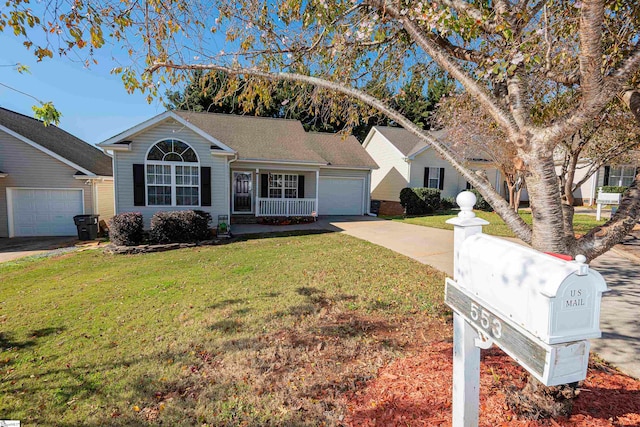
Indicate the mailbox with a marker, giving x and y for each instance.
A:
(554, 300)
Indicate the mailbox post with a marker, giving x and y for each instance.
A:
(539, 309)
(466, 354)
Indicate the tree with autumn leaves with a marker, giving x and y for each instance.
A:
(545, 80)
(542, 72)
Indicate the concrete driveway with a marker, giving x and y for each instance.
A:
(20, 247)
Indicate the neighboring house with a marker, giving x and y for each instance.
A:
(617, 176)
(237, 165)
(47, 177)
(406, 161)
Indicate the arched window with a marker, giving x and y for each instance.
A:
(173, 174)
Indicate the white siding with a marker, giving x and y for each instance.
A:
(170, 129)
(393, 173)
(454, 183)
(29, 167)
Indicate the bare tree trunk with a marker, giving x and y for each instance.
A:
(544, 198)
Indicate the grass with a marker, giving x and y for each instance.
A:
(269, 331)
(582, 223)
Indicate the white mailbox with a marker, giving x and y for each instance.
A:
(554, 300)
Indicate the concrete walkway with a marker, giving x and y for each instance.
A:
(619, 320)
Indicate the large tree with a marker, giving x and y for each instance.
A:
(542, 71)
(217, 92)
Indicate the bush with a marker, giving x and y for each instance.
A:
(613, 189)
(420, 200)
(180, 226)
(481, 203)
(126, 229)
(448, 203)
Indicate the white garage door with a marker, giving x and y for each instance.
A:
(341, 196)
(45, 212)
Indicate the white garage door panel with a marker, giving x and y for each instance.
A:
(341, 196)
(45, 212)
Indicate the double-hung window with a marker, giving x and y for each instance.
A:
(173, 175)
(283, 186)
(433, 177)
(621, 176)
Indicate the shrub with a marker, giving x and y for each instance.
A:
(613, 189)
(126, 229)
(481, 203)
(180, 226)
(448, 203)
(420, 200)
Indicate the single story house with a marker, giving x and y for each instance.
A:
(614, 175)
(406, 161)
(240, 166)
(47, 176)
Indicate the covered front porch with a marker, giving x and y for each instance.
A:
(274, 193)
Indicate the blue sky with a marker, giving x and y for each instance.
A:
(93, 102)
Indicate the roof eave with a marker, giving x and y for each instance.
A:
(349, 167)
(112, 143)
(283, 161)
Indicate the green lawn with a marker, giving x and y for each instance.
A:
(267, 331)
(582, 223)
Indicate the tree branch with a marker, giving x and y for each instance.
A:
(601, 239)
(469, 10)
(437, 54)
(590, 59)
(522, 230)
(457, 51)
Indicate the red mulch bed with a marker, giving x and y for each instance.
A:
(416, 391)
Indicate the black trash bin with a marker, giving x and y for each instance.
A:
(87, 226)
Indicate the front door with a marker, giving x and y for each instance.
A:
(242, 190)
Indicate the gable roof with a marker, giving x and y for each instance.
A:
(406, 142)
(339, 151)
(56, 142)
(265, 139)
(257, 138)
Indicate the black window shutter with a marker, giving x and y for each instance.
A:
(138, 185)
(426, 178)
(607, 170)
(205, 176)
(300, 186)
(264, 185)
(441, 186)
(468, 186)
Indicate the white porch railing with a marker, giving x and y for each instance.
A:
(285, 207)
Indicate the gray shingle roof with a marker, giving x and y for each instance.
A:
(58, 141)
(406, 142)
(257, 138)
(402, 139)
(340, 151)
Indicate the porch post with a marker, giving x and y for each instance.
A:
(317, 189)
(256, 190)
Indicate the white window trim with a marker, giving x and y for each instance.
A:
(283, 187)
(437, 176)
(173, 184)
(622, 175)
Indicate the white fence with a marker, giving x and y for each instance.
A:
(285, 207)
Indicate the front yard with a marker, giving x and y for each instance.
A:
(269, 331)
(581, 223)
